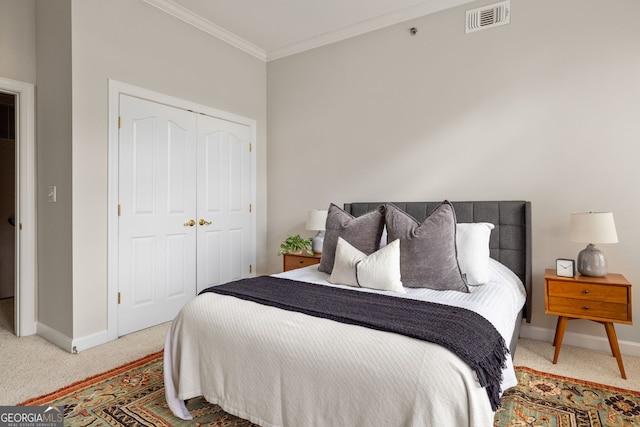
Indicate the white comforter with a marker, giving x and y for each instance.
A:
(280, 368)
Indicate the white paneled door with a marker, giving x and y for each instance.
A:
(184, 209)
(224, 201)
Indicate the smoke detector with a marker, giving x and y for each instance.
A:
(489, 16)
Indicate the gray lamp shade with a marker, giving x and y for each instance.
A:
(591, 228)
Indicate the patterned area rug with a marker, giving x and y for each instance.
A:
(546, 400)
(133, 395)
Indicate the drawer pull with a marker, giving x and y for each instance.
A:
(586, 307)
(586, 291)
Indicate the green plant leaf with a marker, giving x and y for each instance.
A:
(296, 244)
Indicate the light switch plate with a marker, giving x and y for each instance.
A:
(51, 194)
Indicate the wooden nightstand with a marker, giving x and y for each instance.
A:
(293, 261)
(602, 299)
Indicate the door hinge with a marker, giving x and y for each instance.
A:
(119, 122)
(250, 268)
(250, 147)
(250, 208)
(119, 210)
(118, 297)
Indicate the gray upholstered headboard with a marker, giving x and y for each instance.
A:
(510, 241)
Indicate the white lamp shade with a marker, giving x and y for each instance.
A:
(593, 227)
(316, 220)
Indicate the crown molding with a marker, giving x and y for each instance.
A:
(362, 27)
(422, 9)
(185, 15)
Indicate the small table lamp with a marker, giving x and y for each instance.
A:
(592, 227)
(316, 220)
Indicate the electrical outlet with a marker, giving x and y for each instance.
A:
(51, 194)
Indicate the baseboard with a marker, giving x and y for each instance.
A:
(54, 337)
(72, 345)
(590, 342)
(89, 341)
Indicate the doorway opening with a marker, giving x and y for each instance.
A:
(24, 202)
(7, 210)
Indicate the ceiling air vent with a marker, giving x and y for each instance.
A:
(488, 16)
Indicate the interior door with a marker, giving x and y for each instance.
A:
(224, 201)
(157, 207)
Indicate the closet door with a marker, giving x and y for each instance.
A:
(157, 204)
(224, 198)
(184, 185)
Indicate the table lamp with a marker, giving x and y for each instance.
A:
(316, 220)
(591, 228)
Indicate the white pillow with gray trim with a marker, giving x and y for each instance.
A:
(380, 270)
(472, 242)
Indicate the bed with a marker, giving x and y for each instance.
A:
(278, 367)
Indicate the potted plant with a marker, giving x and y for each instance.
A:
(295, 244)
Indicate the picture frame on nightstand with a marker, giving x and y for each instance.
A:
(565, 267)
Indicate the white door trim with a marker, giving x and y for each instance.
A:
(117, 88)
(26, 253)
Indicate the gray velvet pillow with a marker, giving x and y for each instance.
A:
(363, 233)
(428, 256)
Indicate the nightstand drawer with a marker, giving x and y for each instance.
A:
(293, 261)
(588, 291)
(587, 308)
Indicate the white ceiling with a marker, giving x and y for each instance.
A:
(272, 29)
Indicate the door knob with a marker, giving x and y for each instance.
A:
(190, 223)
(203, 222)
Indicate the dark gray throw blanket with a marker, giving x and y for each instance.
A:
(464, 332)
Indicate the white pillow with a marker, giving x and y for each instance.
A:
(472, 242)
(380, 270)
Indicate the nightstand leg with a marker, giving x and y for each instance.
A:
(562, 324)
(555, 337)
(615, 349)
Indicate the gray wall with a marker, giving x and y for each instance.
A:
(54, 164)
(18, 40)
(545, 109)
